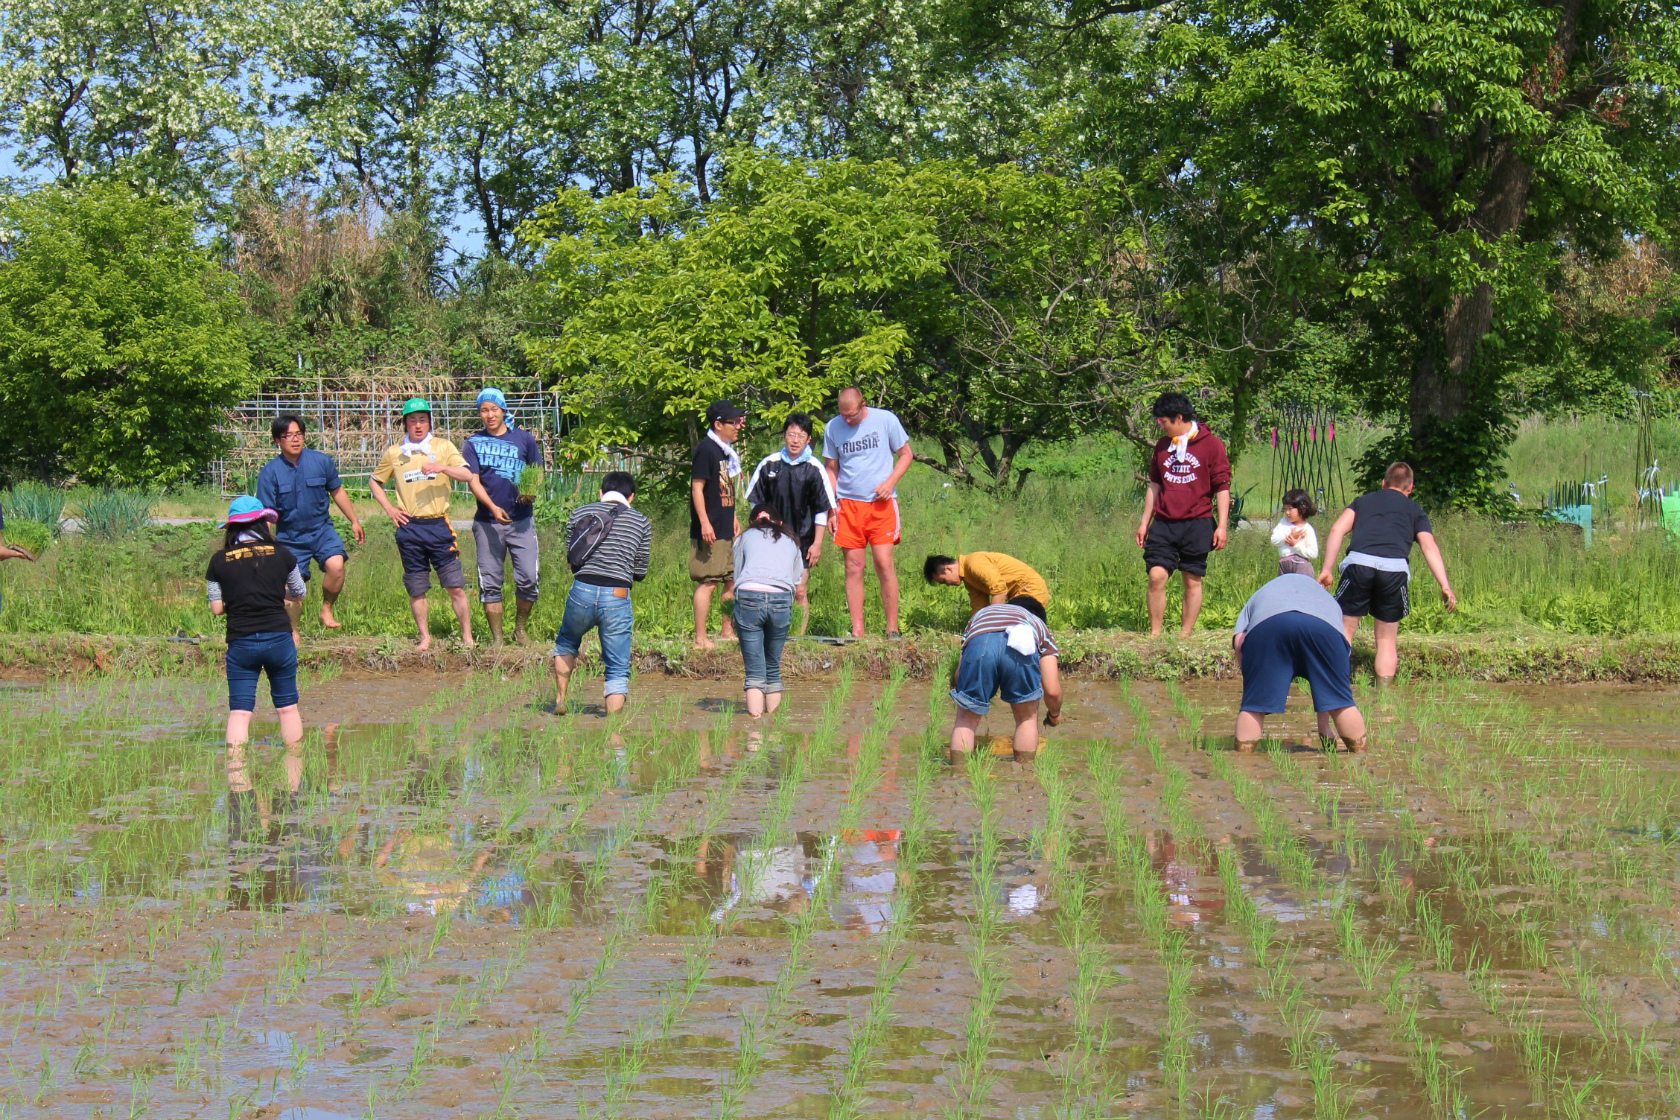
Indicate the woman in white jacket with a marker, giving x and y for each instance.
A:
(1296, 542)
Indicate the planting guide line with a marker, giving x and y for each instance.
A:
(476, 910)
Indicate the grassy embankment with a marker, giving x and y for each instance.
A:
(1533, 601)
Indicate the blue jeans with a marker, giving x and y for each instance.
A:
(990, 668)
(762, 619)
(249, 656)
(607, 608)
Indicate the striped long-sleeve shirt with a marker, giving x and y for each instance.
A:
(1000, 617)
(622, 557)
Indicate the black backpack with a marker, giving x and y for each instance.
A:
(590, 533)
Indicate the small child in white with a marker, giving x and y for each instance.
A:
(1296, 542)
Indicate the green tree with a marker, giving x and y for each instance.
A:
(992, 307)
(779, 294)
(166, 96)
(1440, 159)
(120, 339)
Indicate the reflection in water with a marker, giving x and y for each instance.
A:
(868, 879)
(1189, 872)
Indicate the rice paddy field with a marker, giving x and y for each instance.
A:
(447, 901)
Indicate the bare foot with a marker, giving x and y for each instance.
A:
(327, 618)
(468, 643)
(1247, 747)
(1156, 633)
(520, 637)
(704, 643)
(423, 644)
(560, 706)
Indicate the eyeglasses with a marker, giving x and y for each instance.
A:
(292, 435)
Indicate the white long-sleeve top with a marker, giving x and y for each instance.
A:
(1307, 549)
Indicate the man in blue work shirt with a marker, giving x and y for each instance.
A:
(297, 484)
(503, 530)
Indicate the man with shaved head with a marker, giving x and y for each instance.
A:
(866, 452)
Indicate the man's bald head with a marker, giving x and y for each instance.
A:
(851, 403)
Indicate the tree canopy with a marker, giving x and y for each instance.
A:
(1017, 218)
(120, 339)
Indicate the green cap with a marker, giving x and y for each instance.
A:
(416, 404)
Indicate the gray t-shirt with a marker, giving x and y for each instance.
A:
(1293, 592)
(866, 452)
(764, 562)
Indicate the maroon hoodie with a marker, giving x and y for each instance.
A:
(1187, 488)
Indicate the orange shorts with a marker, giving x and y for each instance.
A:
(861, 524)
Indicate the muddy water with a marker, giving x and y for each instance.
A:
(450, 901)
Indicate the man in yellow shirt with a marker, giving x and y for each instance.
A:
(991, 577)
(420, 468)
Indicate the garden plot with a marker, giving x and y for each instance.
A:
(468, 907)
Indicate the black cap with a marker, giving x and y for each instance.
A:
(723, 410)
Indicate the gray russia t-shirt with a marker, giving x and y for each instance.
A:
(866, 452)
(1293, 592)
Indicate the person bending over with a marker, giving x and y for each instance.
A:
(608, 546)
(1189, 475)
(252, 580)
(1007, 652)
(768, 567)
(1291, 628)
(794, 485)
(1377, 571)
(991, 577)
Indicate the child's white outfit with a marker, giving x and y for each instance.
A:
(1297, 557)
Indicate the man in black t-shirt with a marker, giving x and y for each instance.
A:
(1377, 573)
(712, 520)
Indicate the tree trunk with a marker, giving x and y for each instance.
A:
(1443, 372)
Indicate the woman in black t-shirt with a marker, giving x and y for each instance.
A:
(249, 581)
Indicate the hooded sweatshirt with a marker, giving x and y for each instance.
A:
(1189, 477)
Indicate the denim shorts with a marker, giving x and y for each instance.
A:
(990, 668)
(251, 655)
(609, 610)
(319, 544)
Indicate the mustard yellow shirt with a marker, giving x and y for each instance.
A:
(419, 494)
(995, 573)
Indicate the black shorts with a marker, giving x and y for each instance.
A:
(1367, 591)
(426, 543)
(1179, 546)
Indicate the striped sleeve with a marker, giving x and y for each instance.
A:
(999, 617)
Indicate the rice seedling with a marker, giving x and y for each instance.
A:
(974, 1075)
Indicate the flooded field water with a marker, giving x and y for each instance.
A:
(450, 902)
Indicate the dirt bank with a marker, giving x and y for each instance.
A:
(1529, 657)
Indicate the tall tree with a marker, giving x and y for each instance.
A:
(1443, 157)
(169, 96)
(120, 339)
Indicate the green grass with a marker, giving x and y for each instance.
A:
(1074, 522)
(1077, 532)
